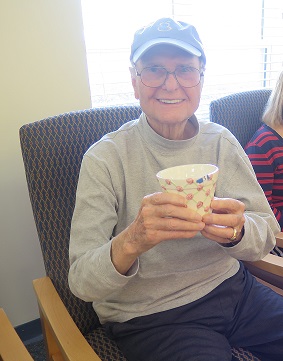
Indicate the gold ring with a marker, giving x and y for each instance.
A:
(234, 235)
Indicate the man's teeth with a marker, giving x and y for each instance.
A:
(173, 101)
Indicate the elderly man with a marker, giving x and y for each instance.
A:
(166, 282)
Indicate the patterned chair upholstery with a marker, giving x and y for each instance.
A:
(52, 151)
(240, 112)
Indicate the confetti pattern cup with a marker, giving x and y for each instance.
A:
(196, 182)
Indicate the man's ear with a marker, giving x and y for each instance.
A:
(134, 82)
(202, 70)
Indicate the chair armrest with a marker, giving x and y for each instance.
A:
(11, 346)
(272, 264)
(64, 341)
(269, 269)
(279, 239)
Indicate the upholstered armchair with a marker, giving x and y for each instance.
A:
(240, 112)
(52, 151)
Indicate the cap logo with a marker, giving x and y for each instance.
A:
(164, 26)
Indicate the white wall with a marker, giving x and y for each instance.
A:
(42, 72)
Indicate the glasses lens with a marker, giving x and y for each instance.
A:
(153, 76)
(187, 76)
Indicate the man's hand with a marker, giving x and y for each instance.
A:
(227, 216)
(162, 216)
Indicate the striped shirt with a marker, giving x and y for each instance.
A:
(265, 151)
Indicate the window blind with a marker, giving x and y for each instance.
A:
(243, 42)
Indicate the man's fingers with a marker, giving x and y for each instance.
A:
(227, 205)
(227, 220)
(169, 210)
(160, 198)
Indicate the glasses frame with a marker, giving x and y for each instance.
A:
(201, 74)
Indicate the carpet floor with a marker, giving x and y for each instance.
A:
(37, 350)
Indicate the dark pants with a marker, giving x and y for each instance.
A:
(240, 312)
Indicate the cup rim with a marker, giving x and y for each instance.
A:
(162, 174)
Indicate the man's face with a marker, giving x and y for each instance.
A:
(170, 103)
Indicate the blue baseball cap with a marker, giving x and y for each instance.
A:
(167, 31)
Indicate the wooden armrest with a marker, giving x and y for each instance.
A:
(11, 346)
(63, 339)
(279, 239)
(270, 263)
(269, 269)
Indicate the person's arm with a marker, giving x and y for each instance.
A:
(264, 167)
(93, 222)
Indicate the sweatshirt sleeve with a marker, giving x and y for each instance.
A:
(240, 182)
(91, 233)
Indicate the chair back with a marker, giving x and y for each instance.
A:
(241, 112)
(52, 151)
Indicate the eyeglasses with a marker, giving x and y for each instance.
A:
(155, 76)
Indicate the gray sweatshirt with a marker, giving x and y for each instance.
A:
(116, 173)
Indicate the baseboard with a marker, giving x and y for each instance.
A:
(30, 332)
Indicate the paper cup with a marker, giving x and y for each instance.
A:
(196, 182)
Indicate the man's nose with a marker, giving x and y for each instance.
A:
(171, 81)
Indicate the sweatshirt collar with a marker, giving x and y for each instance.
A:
(150, 136)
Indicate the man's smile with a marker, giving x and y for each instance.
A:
(170, 101)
